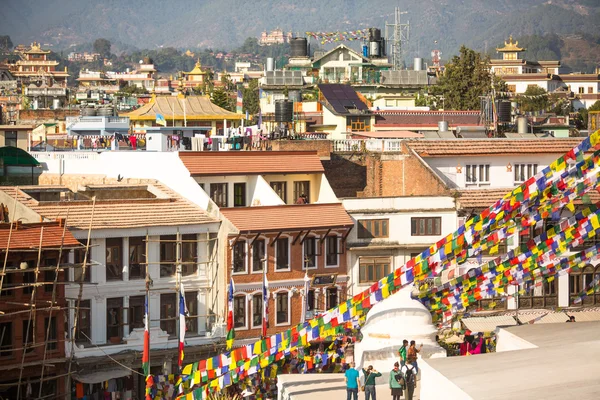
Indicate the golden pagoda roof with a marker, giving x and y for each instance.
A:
(36, 48)
(511, 46)
(197, 108)
(197, 69)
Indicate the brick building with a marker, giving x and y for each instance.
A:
(33, 316)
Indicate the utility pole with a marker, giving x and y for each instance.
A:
(400, 33)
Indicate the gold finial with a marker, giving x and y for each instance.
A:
(198, 65)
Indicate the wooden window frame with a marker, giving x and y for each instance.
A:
(234, 255)
(415, 226)
(305, 254)
(120, 324)
(280, 188)
(336, 251)
(288, 306)
(114, 251)
(373, 228)
(168, 266)
(237, 298)
(298, 193)
(137, 307)
(137, 257)
(168, 317)
(255, 296)
(287, 256)
(191, 320)
(524, 170)
(383, 263)
(189, 254)
(474, 173)
(218, 198)
(239, 199)
(261, 261)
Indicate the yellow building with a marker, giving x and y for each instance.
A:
(36, 67)
(195, 77)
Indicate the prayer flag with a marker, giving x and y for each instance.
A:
(230, 326)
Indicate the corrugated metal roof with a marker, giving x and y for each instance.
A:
(206, 163)
(192, 107)
(554, 317)
(288, 218)
(487, 324)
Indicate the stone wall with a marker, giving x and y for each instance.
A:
(40, 116)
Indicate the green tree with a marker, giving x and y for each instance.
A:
(5, 43)
(466, 78)
(535, 98)
(250, 97)
(222, 99)
(102, 46)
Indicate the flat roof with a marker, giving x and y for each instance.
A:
(207, 163)
(288, 217)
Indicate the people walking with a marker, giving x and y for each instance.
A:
(412, 354)
(396, 380)
(351, 383)
(402, 352)
(370, 375)
(409, 374)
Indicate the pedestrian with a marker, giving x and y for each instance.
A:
(351, 383)
(402, 352)
(396, 380)
(370, 375)
(412, 354)
(409, 374)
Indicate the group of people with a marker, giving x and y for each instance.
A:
(402, 376)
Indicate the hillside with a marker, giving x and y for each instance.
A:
(226, 23)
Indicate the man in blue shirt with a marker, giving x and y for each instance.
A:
(352, 383)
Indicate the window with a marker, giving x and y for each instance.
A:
(239, 256)
(189, 254)
(218, 194)
(428, 226)
(239, 195)
(477, 173)
(590, 90)
(239, 311)
(524, 172)
(137, 310)
(49, 276)
(332, 297)
(114, 319)
(28, 339)
(310, 252)
(332, 246)
(28, 281)
(373, 269)
(282, 252)
(52, 342)
(281, 189)
(137, 258)
(84, 322)
(302, 188)
(6, 339)
(581, 90)
(78, 257)
(168, 255)
(114, 266)
(283, 315)
(258, 255)
(10, 138)
(167, 312)
(311, 304)
(257, 305)
(579, 281)
(191, 320)
(372, 228)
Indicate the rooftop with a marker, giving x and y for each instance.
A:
(472, 147)
(417, 118)
(389, 134)
(195, 108)
(288, 218)
(343, 99)
(206, 163)
(27, 236)
(117, 206)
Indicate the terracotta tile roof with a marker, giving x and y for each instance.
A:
(27, 236)
(288, 218)
(205, 163)
(168, 209)
(426, 118)
(459, 147)
(484, 198)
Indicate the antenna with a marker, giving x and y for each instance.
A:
(400, 34)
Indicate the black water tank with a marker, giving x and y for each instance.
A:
(374, 34)
(504, 109)
(299, 47)
(284, 111)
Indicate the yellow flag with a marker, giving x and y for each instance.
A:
(571, 207)
(187, 369)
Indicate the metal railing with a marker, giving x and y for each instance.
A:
(375, 145)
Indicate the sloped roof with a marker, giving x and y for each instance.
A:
(343, 99)
(206, 163)
(15, 156)
(167, 209)
(483, 198)
(426, 118)
(338, 48)
(197, 108)
(471, 147)
(288, 218)
(27, 236)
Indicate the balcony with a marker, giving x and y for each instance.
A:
(374, 145)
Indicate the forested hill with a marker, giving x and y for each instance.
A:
(226, 23)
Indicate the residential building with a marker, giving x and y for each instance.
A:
(137, 229)
(276, 36)
(344, 110)
(17, 167)
(15, 136)
(33, 309)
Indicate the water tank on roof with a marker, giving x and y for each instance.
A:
(418, 64)
(522, 124)
(88, 112)
(106, 112)
(299, 47)
(374, 49)
(365, 51)
(443, 126)
(504, 111)
(270, 64)
(374, 34)
(284, 111)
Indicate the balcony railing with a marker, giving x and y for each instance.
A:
(375, 145)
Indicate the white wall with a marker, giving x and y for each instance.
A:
(338, 121)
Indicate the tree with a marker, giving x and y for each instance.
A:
(102, 46)
(250, 97)
(466, 78)
(535, 98)
(5, 43)
(221, 98)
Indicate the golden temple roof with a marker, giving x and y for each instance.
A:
(197, 69)
(510, 46)
(36, 48)
(198, 108)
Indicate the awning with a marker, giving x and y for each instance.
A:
(102, 376)
(488, 324)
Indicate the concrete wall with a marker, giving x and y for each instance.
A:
(39, 116)
(322, 147)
